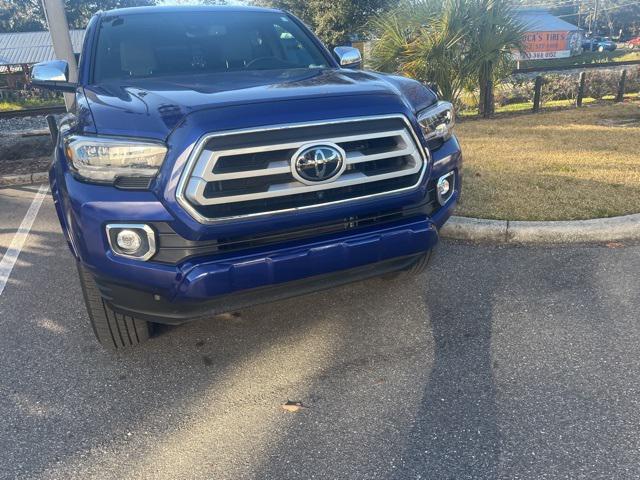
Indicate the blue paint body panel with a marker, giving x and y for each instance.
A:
(179, 111)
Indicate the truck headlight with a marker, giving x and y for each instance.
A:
(437, 122)
(103, 159)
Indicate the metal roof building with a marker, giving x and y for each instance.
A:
(539, 20)
(25, 48)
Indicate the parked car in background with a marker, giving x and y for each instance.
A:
(633, 43)
(599, 44)
(220, 157)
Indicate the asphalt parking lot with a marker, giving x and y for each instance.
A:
(499, 362)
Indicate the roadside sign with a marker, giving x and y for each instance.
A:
(542, 45)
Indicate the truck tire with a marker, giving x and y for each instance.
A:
(112, 329)
(421, 264)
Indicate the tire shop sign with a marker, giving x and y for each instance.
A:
(542, 45)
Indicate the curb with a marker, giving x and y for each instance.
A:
(25, 179)
(598, 230)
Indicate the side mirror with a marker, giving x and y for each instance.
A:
(349, 57)
(53, 75)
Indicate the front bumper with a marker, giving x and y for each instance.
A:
(219, 285)
(130, 301)
(224, 281)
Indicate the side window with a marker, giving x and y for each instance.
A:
(294, 51)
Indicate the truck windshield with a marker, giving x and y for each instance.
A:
(164, 44)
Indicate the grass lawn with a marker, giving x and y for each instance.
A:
(528, 106)
(562, 165)
(29, 103)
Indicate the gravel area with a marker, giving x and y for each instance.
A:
(21, 153)
(21, 124)
(24, 166)
(25, 145)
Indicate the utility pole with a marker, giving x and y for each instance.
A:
(595, 15)
(579, 13)
(59, 29)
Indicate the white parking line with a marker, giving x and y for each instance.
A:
(13, 252)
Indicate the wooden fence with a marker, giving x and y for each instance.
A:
(540, 79)
(587, 66)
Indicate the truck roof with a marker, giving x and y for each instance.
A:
(187, 8)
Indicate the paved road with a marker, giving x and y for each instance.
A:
(514, 363)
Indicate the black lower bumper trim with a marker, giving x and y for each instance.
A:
(144, 305)
(174, 249)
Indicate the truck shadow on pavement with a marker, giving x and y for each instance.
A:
(435, 414)
(455, 434)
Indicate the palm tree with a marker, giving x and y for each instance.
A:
(456, 44)
(424, 39)
(493, 35)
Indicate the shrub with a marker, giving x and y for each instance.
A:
(520, 89)
(633, 80)
(601, 82)
(560, 87)
(556, 86)
(514, 90)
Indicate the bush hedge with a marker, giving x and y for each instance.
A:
(564, 86)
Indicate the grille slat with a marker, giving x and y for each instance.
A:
(357, 156)
(273, 168)
(247, 177)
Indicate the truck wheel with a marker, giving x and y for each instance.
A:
(421, 264)
(113, 330)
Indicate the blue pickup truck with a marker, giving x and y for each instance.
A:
(220, 157)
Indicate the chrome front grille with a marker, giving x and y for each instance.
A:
(247, 173)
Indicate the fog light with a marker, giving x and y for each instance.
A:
(444, 187)
(132, 240)
(129, 240)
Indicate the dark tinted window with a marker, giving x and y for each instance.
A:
(162, 44)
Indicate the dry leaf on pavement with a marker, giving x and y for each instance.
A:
(292, 406)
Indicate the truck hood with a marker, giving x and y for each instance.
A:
(154, 107)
